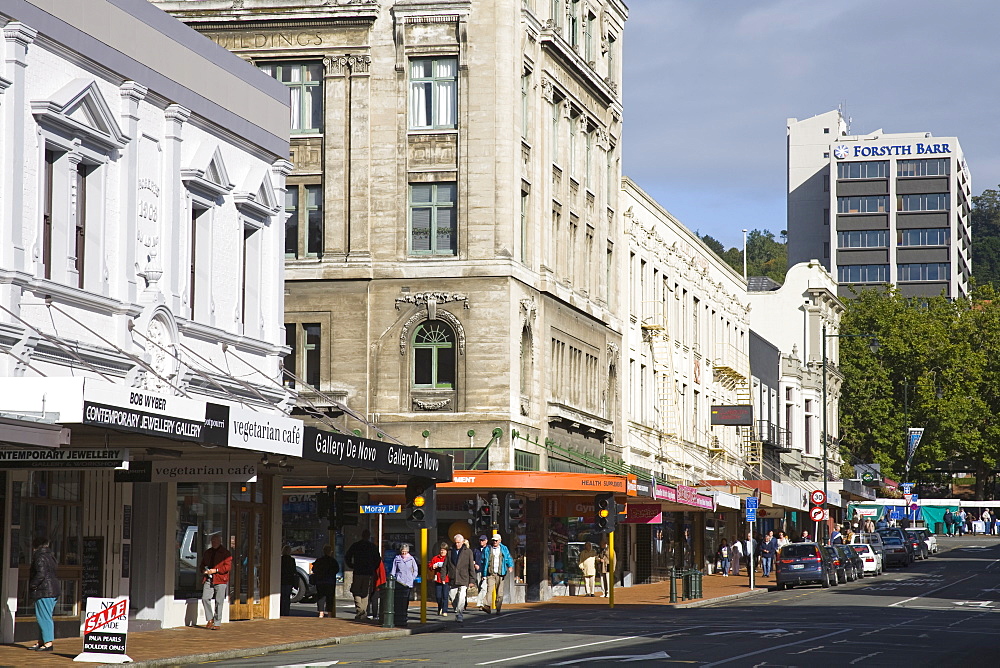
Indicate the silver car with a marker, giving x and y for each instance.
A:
(929, 538)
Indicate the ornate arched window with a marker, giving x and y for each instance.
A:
(434, 356)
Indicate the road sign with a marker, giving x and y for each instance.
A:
(816, 514)
(752, 502)
(914, 506)
(818, 497)
(894, 514)
(907, 487)
(914, 497)
(907, 498)
(380, 509)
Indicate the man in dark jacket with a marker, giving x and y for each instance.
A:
(768, 550)
(363, 557)
(215, 565)
(461, 569)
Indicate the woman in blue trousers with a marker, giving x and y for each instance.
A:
(43, 585)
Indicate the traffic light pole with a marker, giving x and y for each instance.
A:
(423, 575)
(611, 569)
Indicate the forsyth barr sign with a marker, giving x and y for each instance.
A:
(860, 151)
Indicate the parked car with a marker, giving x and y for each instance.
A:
(839, 564)
(901, 535)
(304, 590)
(871, 559)
(803, 563)
(896, 551)
(854, 564)
(928, 536)
(916, 541)
(873, 539)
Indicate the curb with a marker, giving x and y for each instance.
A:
(246, 652)
(720, 599)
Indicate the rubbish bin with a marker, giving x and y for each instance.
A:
(939, 527)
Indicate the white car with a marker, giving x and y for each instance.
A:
(871, 558)
(929, 538)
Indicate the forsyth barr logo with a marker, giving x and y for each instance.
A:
(841, 152)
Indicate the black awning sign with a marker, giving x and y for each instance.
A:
(365, 453)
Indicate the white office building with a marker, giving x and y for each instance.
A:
(880, 207)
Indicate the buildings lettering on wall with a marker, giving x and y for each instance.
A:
(879, 208)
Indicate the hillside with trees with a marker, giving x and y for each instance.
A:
(766, 256)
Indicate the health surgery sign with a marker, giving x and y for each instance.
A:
(364, 453)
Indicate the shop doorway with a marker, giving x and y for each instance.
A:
(248, 581)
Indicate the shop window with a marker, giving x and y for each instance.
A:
(201, 513)
(49, 504)
(527, 461)
(465, 458)
(434, 356)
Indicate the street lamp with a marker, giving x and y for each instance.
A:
(873, 346)
(938, 392)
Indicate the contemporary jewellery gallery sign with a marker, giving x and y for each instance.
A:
(348, 450)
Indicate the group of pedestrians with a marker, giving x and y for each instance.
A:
(459, 567)
(750, 552)
(961, 522)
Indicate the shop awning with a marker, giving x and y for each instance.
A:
(539, 481)
(18, 431)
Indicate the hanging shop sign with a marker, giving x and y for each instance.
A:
(364, 453)
(690, 496)
(177, 471)
(664, 492)
(105, 630)
(63, 458)
(136, 411)
(640, 487)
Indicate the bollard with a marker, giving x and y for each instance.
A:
(673, 585)
(685, 585)
(389, 603)
(696, 589)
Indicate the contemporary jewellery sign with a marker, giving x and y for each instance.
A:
(364, 453)
(62, 458)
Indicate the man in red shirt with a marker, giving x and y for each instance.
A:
(215, 565)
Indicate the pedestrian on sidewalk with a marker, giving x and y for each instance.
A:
(289, 578)
(768, 550)
(497, 562)
(477, 554)
(836, 538)
(324, 578)
(737, 556)
(805, 538)
(961, 521)
(438, 566)
(405, 570)
(782, 540)
(44, 588)
(601, 566)
(363, 558)
(987, 522)
(461, 571)
(215, 565)
(379, 581)
(750, 550)
(588, 566)
(722, 555)
(869, 526)
(949, 521)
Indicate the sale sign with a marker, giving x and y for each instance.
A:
(105, 627)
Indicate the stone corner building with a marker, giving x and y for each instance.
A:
(452, 245)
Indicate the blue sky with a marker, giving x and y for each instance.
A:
(709, 84)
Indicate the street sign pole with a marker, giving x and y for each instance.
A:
(611, 569)
(423, 573)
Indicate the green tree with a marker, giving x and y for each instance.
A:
(766, 256)
(985, 223)
(938, 367)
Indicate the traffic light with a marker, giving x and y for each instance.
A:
(344, 512)
(513, 512)
(421, 504)
(606, 511)
(323, 504)
(484, 516)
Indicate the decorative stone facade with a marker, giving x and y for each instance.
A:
(521, 129)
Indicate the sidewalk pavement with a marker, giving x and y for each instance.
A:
(242, 639)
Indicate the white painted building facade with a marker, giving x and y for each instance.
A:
(141, 263)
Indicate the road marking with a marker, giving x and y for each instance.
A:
(774, 647)
(927, 593)
(313, 664)
(497, 636)
(589, 644)
(505, 616)
(866, 656)
(723, 633)
(975, 604)
(622, 658)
